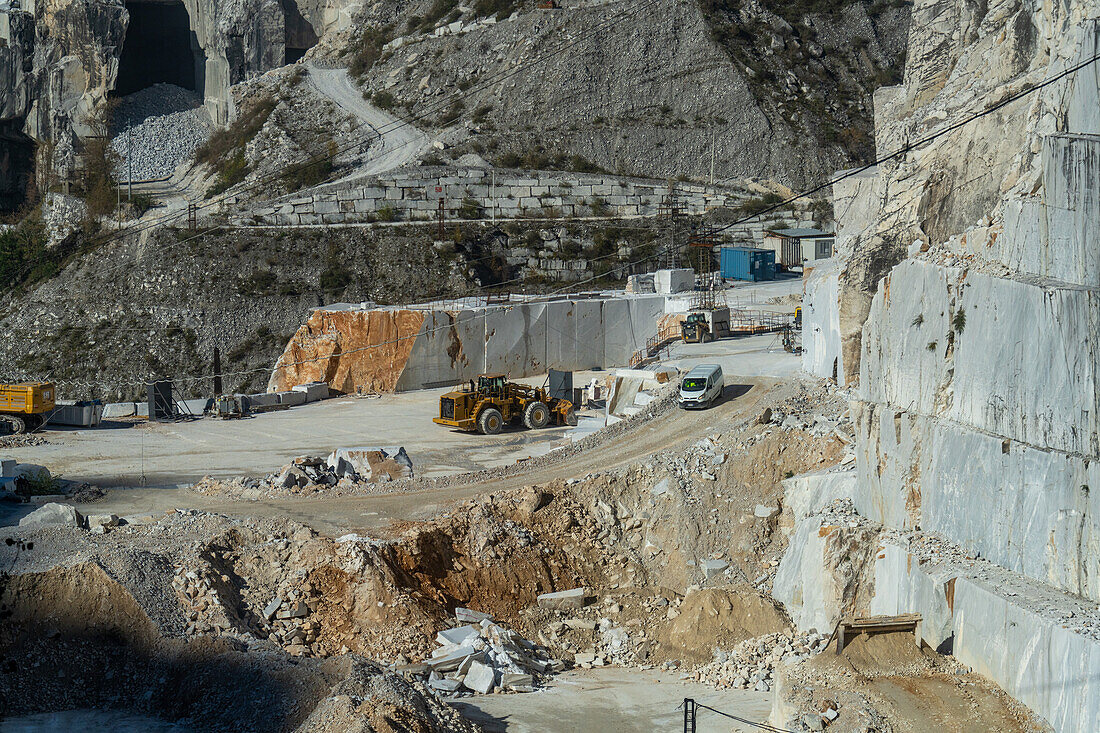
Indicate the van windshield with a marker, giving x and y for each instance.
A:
(693, 384)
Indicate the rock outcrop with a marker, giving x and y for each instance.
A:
(963, 298)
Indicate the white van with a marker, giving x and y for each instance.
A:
(702, 386)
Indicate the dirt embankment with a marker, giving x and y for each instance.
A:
(885, 682)
(73, 637)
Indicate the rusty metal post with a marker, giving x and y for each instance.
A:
(442, 225)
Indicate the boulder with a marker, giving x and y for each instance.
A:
(469, 615)
(100, 523)
(480, 678)
(372, 463)
(53, 514)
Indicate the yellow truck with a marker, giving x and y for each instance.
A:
(25, 406)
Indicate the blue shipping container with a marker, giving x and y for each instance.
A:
(747, 263)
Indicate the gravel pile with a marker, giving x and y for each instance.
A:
(751, 665)
(167, 123)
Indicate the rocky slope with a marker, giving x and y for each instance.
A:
(776, 91)
(131, 311)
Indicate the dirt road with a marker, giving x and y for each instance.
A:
(400, 142)
(370, 515)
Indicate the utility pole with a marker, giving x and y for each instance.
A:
(130, 164)
(493, 196)
(217, 372)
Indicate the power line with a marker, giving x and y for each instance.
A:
(919, 143)
(399, 122)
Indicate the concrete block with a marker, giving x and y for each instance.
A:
(313, 390)
(273, 607)
(291, 398)
(196, 406)
(259, 401)
(364, 206)
(572, 598)
(333, 218)
(102, 523)
(52, 513)
(444, 685)
(119, 409)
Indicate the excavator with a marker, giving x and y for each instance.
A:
(25, 406)
(486, 405)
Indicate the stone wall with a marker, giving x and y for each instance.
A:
(476, 193)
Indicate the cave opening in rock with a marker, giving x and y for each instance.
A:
(299, 33)
(16, 165)
(160, 47)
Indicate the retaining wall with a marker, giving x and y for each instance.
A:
(478, 193)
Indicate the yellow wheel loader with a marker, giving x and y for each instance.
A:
(492, 401)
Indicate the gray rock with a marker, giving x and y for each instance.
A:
(813, 721)
(573, 598)
(480, 678)
(53, 514)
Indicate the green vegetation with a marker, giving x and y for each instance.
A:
(932, 345)
(224, 151)
(959, 321)
(918, 320)
(367, 50)
(453, 113)
(312, 172)
(40, 483)
(538, 159)
(24, 259)
(500, 8)
(753, 206)
(470, 209)
(383, 100)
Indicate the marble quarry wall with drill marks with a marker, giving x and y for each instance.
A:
(356, 349)
(962, 307)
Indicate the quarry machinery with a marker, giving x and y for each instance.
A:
(26, 406)
(485, 405)
(695, 329)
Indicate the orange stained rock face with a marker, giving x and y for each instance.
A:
(354, 351)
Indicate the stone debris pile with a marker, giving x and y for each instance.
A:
(357, 465)
(160, 127)
(479, 657)
(350, 470)
(751, 664)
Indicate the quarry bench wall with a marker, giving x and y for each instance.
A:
(358, 350)
(476, 193)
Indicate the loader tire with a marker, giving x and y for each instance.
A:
(490, 421)
(12, 425)
(536, 416)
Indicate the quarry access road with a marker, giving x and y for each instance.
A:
(374, 515)
(399, 142)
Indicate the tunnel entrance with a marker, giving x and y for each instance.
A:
(299, 34)
(16, 166)
(159, 48)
